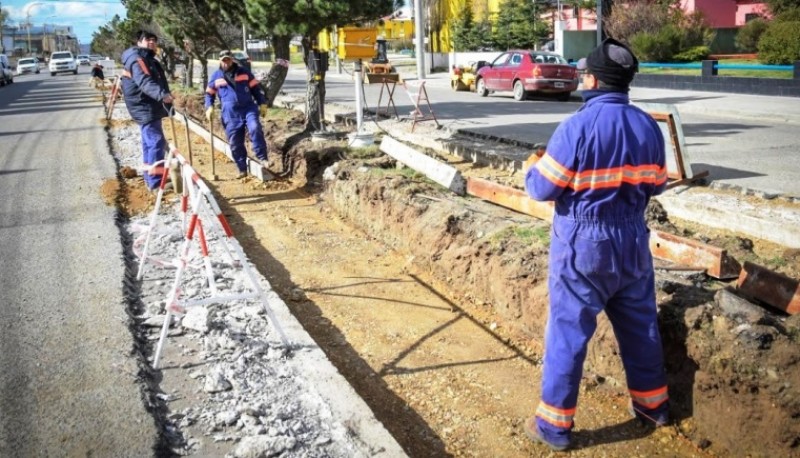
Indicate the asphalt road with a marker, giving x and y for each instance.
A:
(738, 139)
(68, 384)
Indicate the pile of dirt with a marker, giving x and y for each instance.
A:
(733, 366)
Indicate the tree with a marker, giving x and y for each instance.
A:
(777, 7)
(3, 18)
(516, 26)
(284, 18)
(463, 30)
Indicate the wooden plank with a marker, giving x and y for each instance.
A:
(505, 196)
(770, 287)
(683, 251)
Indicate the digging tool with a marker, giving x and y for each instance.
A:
(213, 161)
(173, 167)
(188, 139)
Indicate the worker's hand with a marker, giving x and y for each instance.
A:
(167, 99)
(262, 110)
(209, 113)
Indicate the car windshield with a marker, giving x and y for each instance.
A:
(239, 55)
(62, 55)
(83, 57)
(25, 62)
(548, 59)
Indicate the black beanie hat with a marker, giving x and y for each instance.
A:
(612, 63)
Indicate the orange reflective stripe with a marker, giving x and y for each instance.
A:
(241, 78)
(650, 399)
(219, 82)
(600, 178)
(253, 83)
(561, 418)
(614, 177)
(553, 171)
(143, 66)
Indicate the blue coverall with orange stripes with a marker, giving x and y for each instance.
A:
(601, 167)
(239, 94)
(144, 86)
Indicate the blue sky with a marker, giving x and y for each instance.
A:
(84, 16)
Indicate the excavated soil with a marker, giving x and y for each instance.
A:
(433, 307)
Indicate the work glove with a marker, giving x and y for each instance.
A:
(209, 113)
(262, 110)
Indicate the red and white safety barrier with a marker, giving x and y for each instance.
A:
(200, 213)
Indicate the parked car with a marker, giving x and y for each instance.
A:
(27, 65)
(62, 62)
(243, 59)
(527, 73)
(83, 59)
(6, 73)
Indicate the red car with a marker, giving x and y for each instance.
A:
(526, 73)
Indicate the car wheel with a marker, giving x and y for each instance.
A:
(519, 91)
(564, 97)
(481, 88)
(75, 72)
(52, 73)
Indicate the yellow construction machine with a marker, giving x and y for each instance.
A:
(462, 78)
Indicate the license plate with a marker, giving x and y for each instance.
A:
(559, 85)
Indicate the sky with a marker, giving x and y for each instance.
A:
(85, 16)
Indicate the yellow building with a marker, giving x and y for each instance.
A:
(399, 26)
(443, 14)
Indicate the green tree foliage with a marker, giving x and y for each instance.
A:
(778, 7)
(747, 37)
(659, 30)
(780, 43)
(464, 30)
(660, 46)
(637, 17)
(516, 26)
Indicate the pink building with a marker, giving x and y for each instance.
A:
(718, 13)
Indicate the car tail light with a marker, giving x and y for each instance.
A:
(537, 72)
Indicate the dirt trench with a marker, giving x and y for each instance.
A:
(433, 307)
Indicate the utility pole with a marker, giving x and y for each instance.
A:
(419, 43)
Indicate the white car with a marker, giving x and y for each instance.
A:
(83, 59)
(27, 65)
(62, 62)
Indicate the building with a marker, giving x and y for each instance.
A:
(21, 40)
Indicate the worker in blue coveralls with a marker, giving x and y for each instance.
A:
(148, 99)
(601, 167)
(240, 96)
